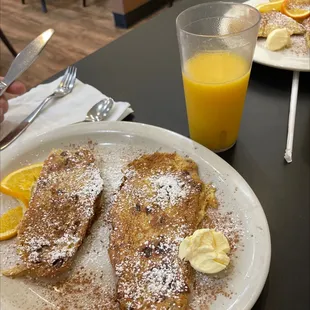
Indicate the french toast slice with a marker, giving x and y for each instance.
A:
(60, 212)
(160, 202)
(306, 24)
(276, 20)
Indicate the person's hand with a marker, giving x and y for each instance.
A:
(16, 88)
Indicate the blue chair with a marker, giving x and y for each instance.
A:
(44, 7)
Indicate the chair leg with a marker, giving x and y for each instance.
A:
(84, 3)
(44, 8)
(7, 43)
(23, 1)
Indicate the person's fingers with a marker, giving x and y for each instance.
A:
(16, 88)
(3, 106)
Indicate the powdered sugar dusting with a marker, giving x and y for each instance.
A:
(301, 4)
(33, 245)
(93, 185)
(89, 185)
(298, 46)
(162, 278)
(64, 247)
(169, 190)
(274, 20)
(209, 287)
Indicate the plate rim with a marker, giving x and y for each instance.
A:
(122, 126)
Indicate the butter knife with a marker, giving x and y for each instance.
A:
(25, 59)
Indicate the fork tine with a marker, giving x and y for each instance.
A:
(73, 78)
(64, 77)
(69, 78)
(66, 82)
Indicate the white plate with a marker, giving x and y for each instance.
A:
(121, 141)
(279, 59)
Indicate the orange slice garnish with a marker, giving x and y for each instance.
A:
(270, 6)
(296, 9)
(9, 222)
(19, 183)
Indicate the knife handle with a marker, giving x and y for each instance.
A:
(16, 132)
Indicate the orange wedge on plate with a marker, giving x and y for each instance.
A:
(9, 222)
(19, 183)
(296, 9)
(270, 6)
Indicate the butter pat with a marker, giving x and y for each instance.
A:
(278, 39)
(206, 250)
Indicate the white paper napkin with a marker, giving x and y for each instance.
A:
(58, 112)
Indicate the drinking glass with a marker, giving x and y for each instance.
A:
(216, 43)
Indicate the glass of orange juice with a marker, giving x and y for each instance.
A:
(216, 42)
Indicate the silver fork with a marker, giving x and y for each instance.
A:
(64, 88)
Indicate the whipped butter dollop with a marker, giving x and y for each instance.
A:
(206, 250)
(278, 39)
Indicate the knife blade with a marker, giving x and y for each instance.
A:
(25, 59)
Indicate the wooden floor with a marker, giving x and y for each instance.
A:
(79, 31)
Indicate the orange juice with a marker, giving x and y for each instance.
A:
(215, 86)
